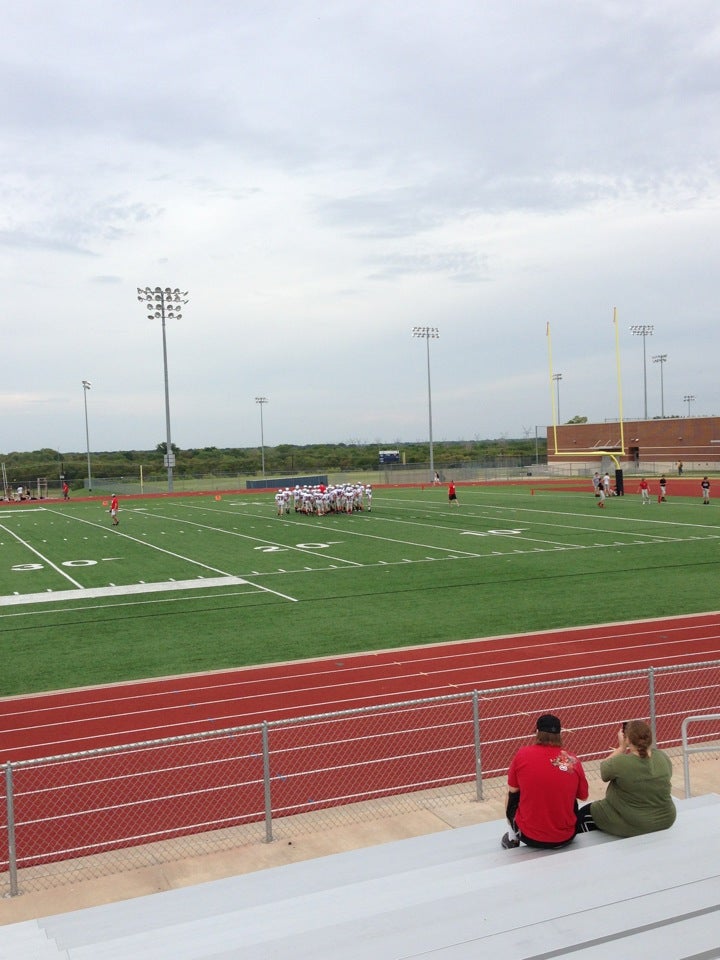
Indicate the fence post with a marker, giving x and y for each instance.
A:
(686, 758)
(12, 852)
(478, 746)
(266, 781)
(651, 698)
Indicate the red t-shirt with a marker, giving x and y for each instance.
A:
(550, 780)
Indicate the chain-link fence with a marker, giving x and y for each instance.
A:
(88, 814)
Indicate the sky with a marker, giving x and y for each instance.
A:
(322, 176)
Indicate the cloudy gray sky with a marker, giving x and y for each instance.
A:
(323, 176)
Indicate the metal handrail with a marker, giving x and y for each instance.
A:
(687, 750)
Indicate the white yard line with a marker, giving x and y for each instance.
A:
(514, 508)
(44, 559)
(245, 536)
(318, 524)
(170, 553)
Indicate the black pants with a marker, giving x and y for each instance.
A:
(538, 844)
(510, 811)
(585, 822)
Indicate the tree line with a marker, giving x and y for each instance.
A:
(281, 460)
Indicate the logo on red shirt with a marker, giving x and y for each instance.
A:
(564, 761)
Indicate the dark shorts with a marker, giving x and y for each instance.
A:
(541, 844)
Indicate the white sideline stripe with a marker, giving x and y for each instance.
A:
(131, 588)
(53, 566)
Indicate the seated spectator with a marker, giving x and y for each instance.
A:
(638, 798)
(544, 784)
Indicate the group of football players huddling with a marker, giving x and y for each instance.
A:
(320, 500)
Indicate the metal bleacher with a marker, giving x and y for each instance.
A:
(453, 895)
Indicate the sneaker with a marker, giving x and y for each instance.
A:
(507, 843)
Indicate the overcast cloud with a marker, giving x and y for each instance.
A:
(323, 176)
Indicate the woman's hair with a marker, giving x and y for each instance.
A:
(640, 736)
(555, 739)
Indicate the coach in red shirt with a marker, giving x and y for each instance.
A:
(544, 784)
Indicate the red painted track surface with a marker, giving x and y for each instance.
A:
(98, 803)
(49, 724)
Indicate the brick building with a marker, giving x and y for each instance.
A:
(693, 440)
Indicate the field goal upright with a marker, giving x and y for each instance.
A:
(617, 450)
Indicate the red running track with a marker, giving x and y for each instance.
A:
(49, 724)
(218, 780)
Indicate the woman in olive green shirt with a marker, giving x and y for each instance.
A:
(638, 798)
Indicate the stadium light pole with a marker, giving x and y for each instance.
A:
(688, 398)
(427, 334)
(661, 358)
(643, 330)
(161, 305)
(557, 377)
(86, 386)
(261, 401)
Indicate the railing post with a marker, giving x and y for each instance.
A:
(686, 758)
(478, 745)
(12, 852)
(687, 749)
(651, 700)
(266, 781)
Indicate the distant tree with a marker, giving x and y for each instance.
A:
(578, 419)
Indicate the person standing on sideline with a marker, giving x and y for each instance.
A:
(663, 488)
(452, 494)
(705, 485)
(65, 490)
(606, 484)
(114, 510)
(544, 784)
(644, 491)
(596, 482)
(680, 468)
(639, 778)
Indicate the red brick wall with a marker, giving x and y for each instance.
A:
(686, 439)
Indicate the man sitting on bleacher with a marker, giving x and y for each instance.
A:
(544, 784)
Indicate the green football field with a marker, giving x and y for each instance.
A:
(196, 583)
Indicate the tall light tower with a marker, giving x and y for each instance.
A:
(643, 330)
(688, 398)
(557, 377)
(661, 358)
(261, 401)
(86, 386)
(427, 334)
(162, 304)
